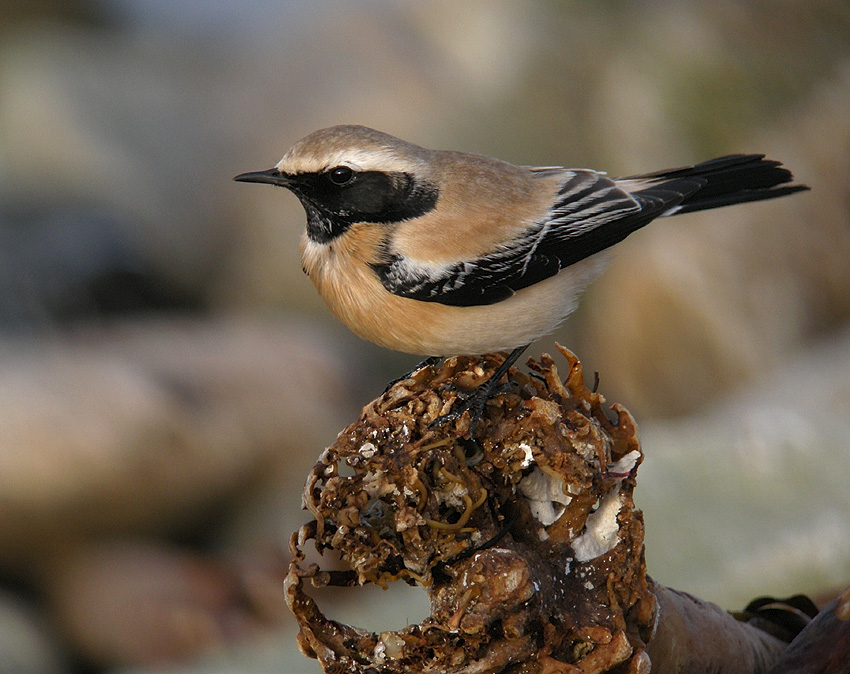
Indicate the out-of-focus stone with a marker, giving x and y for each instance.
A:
(84, 131)
(697, 305)
(143, 603)
(27, 645)
(778, 456)
(152, 427)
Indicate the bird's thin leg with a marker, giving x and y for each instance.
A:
(427, 362)
(475, 400)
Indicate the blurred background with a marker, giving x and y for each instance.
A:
(168, 375)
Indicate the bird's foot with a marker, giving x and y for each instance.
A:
(473, 402)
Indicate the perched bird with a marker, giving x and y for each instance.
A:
(442, 253)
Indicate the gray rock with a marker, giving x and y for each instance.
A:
(147, 426)
(750, 497)
(26, 643)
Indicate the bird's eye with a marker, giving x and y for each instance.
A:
(340, 175)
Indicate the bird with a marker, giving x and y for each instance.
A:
(442, 253)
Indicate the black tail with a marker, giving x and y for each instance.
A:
(733, 179)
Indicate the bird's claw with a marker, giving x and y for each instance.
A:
(473, 402)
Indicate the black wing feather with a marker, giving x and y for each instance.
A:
(591, 213)
(733, 179)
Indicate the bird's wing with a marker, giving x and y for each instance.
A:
(590, 213)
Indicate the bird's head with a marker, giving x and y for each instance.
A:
(350, 174)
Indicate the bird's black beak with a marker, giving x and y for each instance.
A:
(272, 177)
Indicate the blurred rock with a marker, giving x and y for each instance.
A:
(73, 264)
(13, 12)
(698, 305)
(271, 654)
(101, 121)
(156, 427)
(773, 517)
(142, 603)
(27, 645)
